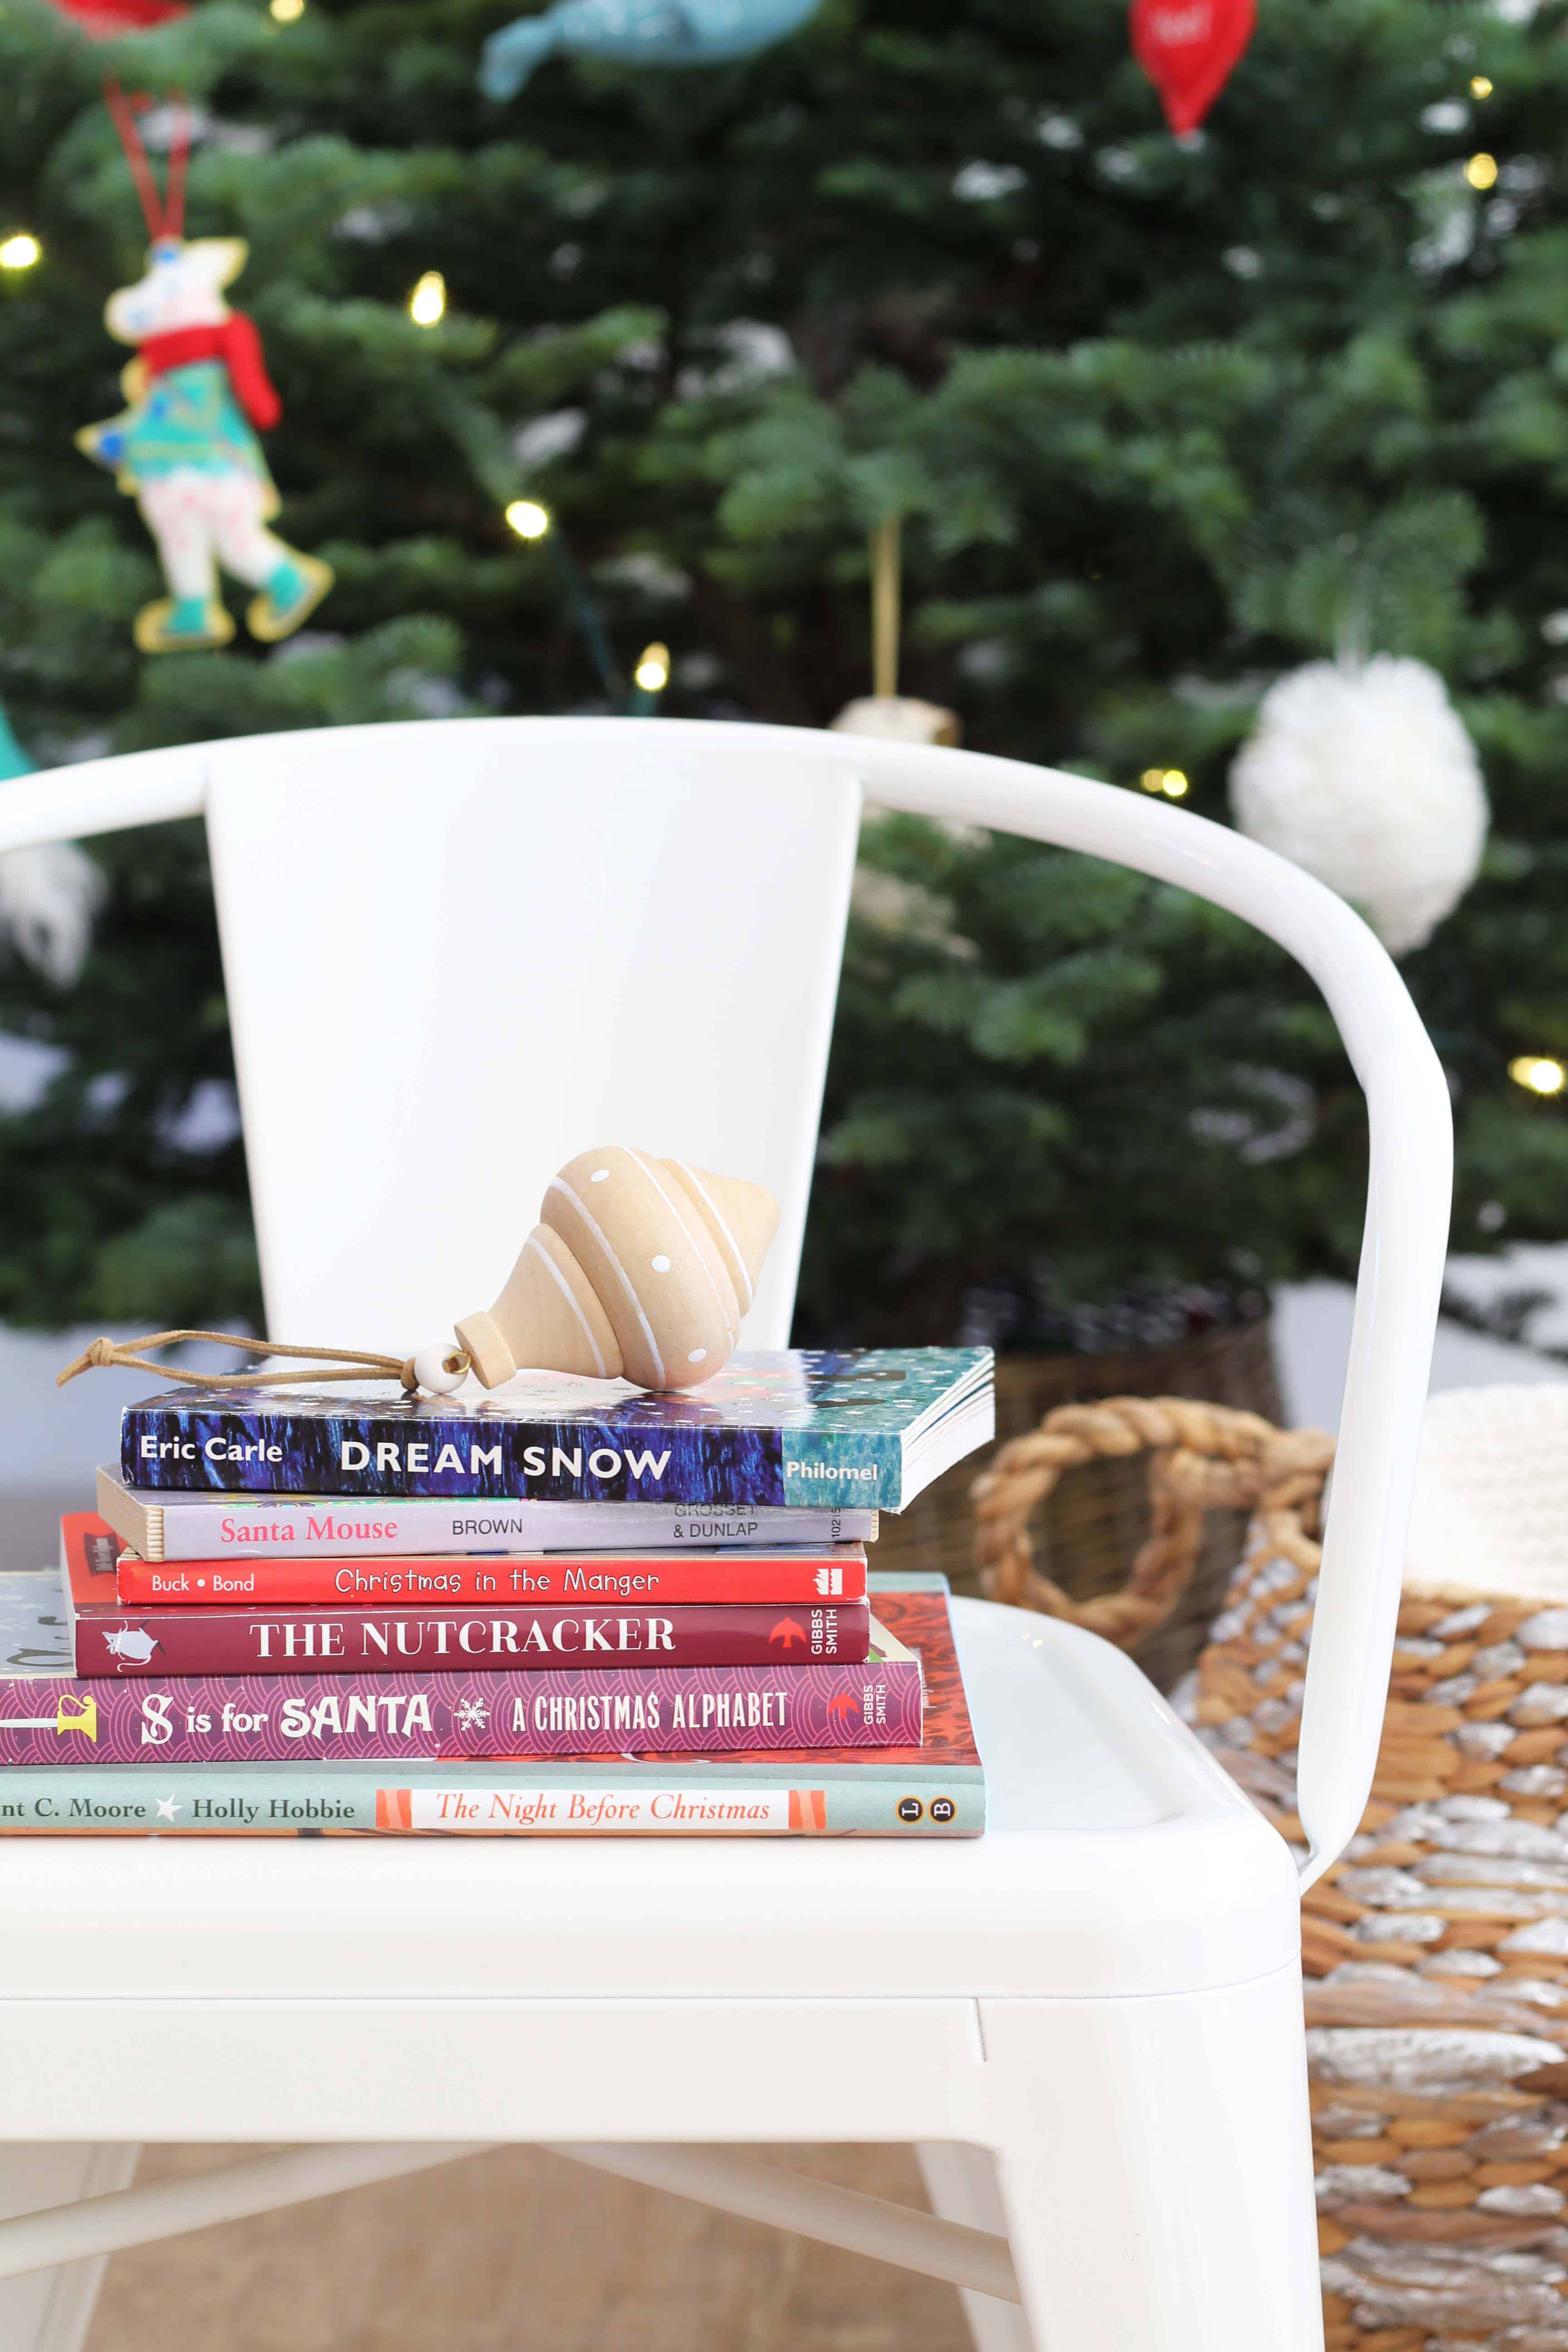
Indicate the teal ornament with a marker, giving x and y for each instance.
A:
(640, 33)
(13, 761)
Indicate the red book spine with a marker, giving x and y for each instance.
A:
(792, 1580)
(225, 1641)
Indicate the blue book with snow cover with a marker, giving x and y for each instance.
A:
(868, 1427)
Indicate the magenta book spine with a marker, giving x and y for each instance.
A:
(275, 1719)
(162, 1642)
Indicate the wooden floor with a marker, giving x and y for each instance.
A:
(520, 2252)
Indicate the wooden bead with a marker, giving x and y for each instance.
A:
(639, 1269)
(431, 1372)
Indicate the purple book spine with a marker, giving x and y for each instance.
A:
(152, 1644)
(275, 1719)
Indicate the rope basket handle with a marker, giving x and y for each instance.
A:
(1203, 1457)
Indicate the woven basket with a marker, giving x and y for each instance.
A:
(1092, 1523)
(1436, 1950)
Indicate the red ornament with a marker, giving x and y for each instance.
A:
(1187, 48)
(105, 20)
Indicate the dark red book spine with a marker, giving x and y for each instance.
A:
(159, 1642)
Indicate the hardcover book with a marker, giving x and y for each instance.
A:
(50, 1716)
(796, 1580)
(199, 1526)
(865, 1428)
(245, 1638)
(936, 1790)
(799, 1575)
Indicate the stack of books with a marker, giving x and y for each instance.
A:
(560, 1606)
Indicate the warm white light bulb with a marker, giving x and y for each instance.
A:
(1481, 171)
(1538, 1074)
(285, 11)
(1481, 85)
(528, 518)
(427, 303)
(20, 250)
(1175, 785)
(652, 672)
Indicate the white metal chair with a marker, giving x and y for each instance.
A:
(456, 953)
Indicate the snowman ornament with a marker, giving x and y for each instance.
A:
(185, 449)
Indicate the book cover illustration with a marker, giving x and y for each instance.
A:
(230, 1639)
(55, 1717)
(935, 1790)
(819, 1427)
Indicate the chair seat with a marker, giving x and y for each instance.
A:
(1120, 1860)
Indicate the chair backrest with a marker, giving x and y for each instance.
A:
(305, 814)
(455, 954)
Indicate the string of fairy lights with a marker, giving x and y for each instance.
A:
(532, 521)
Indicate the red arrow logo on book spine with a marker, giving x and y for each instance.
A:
(787, 1632)
(841, 1704)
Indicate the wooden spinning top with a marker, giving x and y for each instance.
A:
(639, 1270)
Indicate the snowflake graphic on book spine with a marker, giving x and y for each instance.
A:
(472, 1714)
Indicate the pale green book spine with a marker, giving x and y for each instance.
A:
(615, 1797)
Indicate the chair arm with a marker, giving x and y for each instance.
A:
(1405, 1236)
(102, 796)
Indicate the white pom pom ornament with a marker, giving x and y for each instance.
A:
(1365, 776)
(899, 719)
(48, 898)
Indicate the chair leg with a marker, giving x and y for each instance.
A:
(48, 2310)
(960, 2181)
(1155, 2166)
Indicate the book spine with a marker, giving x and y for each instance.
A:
(266, 1449)
(267, 1719)
(192, 1529)
(838, 1468)
(225, 1641)
(799, 1581)
(602, 1799)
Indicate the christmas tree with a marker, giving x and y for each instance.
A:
(1160, 422)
